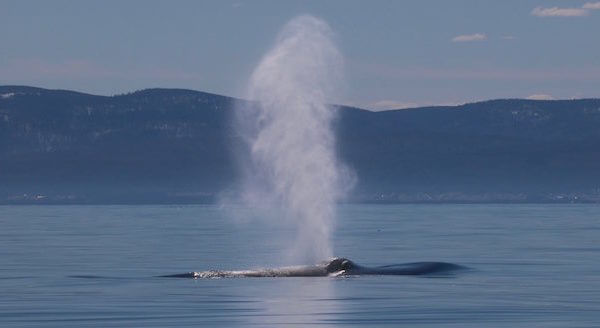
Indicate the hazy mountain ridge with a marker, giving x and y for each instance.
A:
(174, 145)
(507, 149)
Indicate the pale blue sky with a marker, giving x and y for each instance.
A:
(398, 53)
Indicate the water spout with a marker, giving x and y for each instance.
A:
(293, 165)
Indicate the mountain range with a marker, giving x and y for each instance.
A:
(178, 146)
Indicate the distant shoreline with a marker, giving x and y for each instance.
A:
(214, 200)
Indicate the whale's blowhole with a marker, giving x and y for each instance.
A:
(339, 264)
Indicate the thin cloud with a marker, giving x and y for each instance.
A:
(391, 104)
(470, 37)
(384, 105)
(558, 12)
(591, 5)
(508, 37)
(540, 96)
(590, 73)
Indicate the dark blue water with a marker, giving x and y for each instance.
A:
(80, 266)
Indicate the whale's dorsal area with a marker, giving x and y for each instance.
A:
(335, 267)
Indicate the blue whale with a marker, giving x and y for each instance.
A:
(334, 267)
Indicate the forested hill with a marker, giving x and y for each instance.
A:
(172, 145)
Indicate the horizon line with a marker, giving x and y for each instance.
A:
(338, 105)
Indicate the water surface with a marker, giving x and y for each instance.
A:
(81, 266)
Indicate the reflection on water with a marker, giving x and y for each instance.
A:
(298, 301)
(74, 266)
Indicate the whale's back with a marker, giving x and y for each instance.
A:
(334, 267)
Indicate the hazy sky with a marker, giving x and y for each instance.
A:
(397, 53)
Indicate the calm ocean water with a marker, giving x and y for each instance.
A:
(82, 266)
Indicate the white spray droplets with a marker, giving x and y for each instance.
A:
(292, 145)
